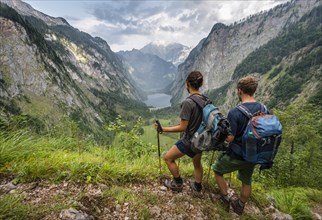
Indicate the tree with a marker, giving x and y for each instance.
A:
(300, 156)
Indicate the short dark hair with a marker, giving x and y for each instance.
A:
(195, 79)
(248, 85)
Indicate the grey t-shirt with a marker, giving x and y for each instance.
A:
(191, 112)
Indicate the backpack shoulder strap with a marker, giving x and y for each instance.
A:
(264, 109)
(245, 111)
(199, 101)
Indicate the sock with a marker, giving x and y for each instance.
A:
(241, 203)
(198, 186)
(226, 197)
(178, 180)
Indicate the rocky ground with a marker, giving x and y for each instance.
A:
(148, 200)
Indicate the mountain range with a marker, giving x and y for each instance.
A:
(150, 72)
(280, 46)
(50, 70)
(174, 52)
(154, 67)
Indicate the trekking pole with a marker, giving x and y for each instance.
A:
(211, 161)
(159, 130)
(229, 182)
(180, 136)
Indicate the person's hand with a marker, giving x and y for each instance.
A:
(158, 126)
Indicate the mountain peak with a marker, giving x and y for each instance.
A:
(159, 43)
(171, 52)
(26, 9)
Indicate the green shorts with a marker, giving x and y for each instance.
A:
(227, 164)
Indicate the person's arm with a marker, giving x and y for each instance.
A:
(233, 125)
(177, 128)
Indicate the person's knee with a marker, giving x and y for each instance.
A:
(167, 159)
(197, 165)
(218, 174)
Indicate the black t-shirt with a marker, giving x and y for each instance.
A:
(191, 112)
(238, 122)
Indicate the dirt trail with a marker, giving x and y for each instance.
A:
(148, 200)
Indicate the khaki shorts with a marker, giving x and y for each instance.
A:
(227, 164)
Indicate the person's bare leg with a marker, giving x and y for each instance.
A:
(221, 184)
(245, 192)
(170, 157)
(198, 170)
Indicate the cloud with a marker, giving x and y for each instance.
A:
(134, 22)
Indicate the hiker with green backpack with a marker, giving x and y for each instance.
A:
(190, 120)
(255, 137)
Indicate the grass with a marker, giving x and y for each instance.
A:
(138, 201)
(32, 157)
(166, 139)
(13, 207)
(296, 201)
(63, 158)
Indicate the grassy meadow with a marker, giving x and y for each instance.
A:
(132, 157)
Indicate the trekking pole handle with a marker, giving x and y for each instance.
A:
(159, 128)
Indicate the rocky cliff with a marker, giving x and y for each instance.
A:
(218, 55)
(50, 69)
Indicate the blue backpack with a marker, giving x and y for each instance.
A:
(214, 127)
(262, 137)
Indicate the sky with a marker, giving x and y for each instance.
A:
(125, 25)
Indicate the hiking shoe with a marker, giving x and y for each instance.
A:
(219, 198)
(171, 184)
(194, 187)
(237, 208)
(196, 191)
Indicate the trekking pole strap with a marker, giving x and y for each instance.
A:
(211, 161)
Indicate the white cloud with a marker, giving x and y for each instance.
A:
(133, 24)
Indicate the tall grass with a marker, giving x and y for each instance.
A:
(31, 157)
(296, 201)
(19, 144)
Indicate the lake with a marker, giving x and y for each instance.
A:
(158, 100)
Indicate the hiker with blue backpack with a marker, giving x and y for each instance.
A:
(190, 120)
(254, 139)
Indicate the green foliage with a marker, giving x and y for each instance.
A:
(317, 98)
(20, 121)
(300, 155)
(219, 95)
(259, 196)
(130, 140)
(299, 35)
(291, 83)
(11, 207)
(68, 158)
(275, 72)
(120, 194)
(296, 201)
